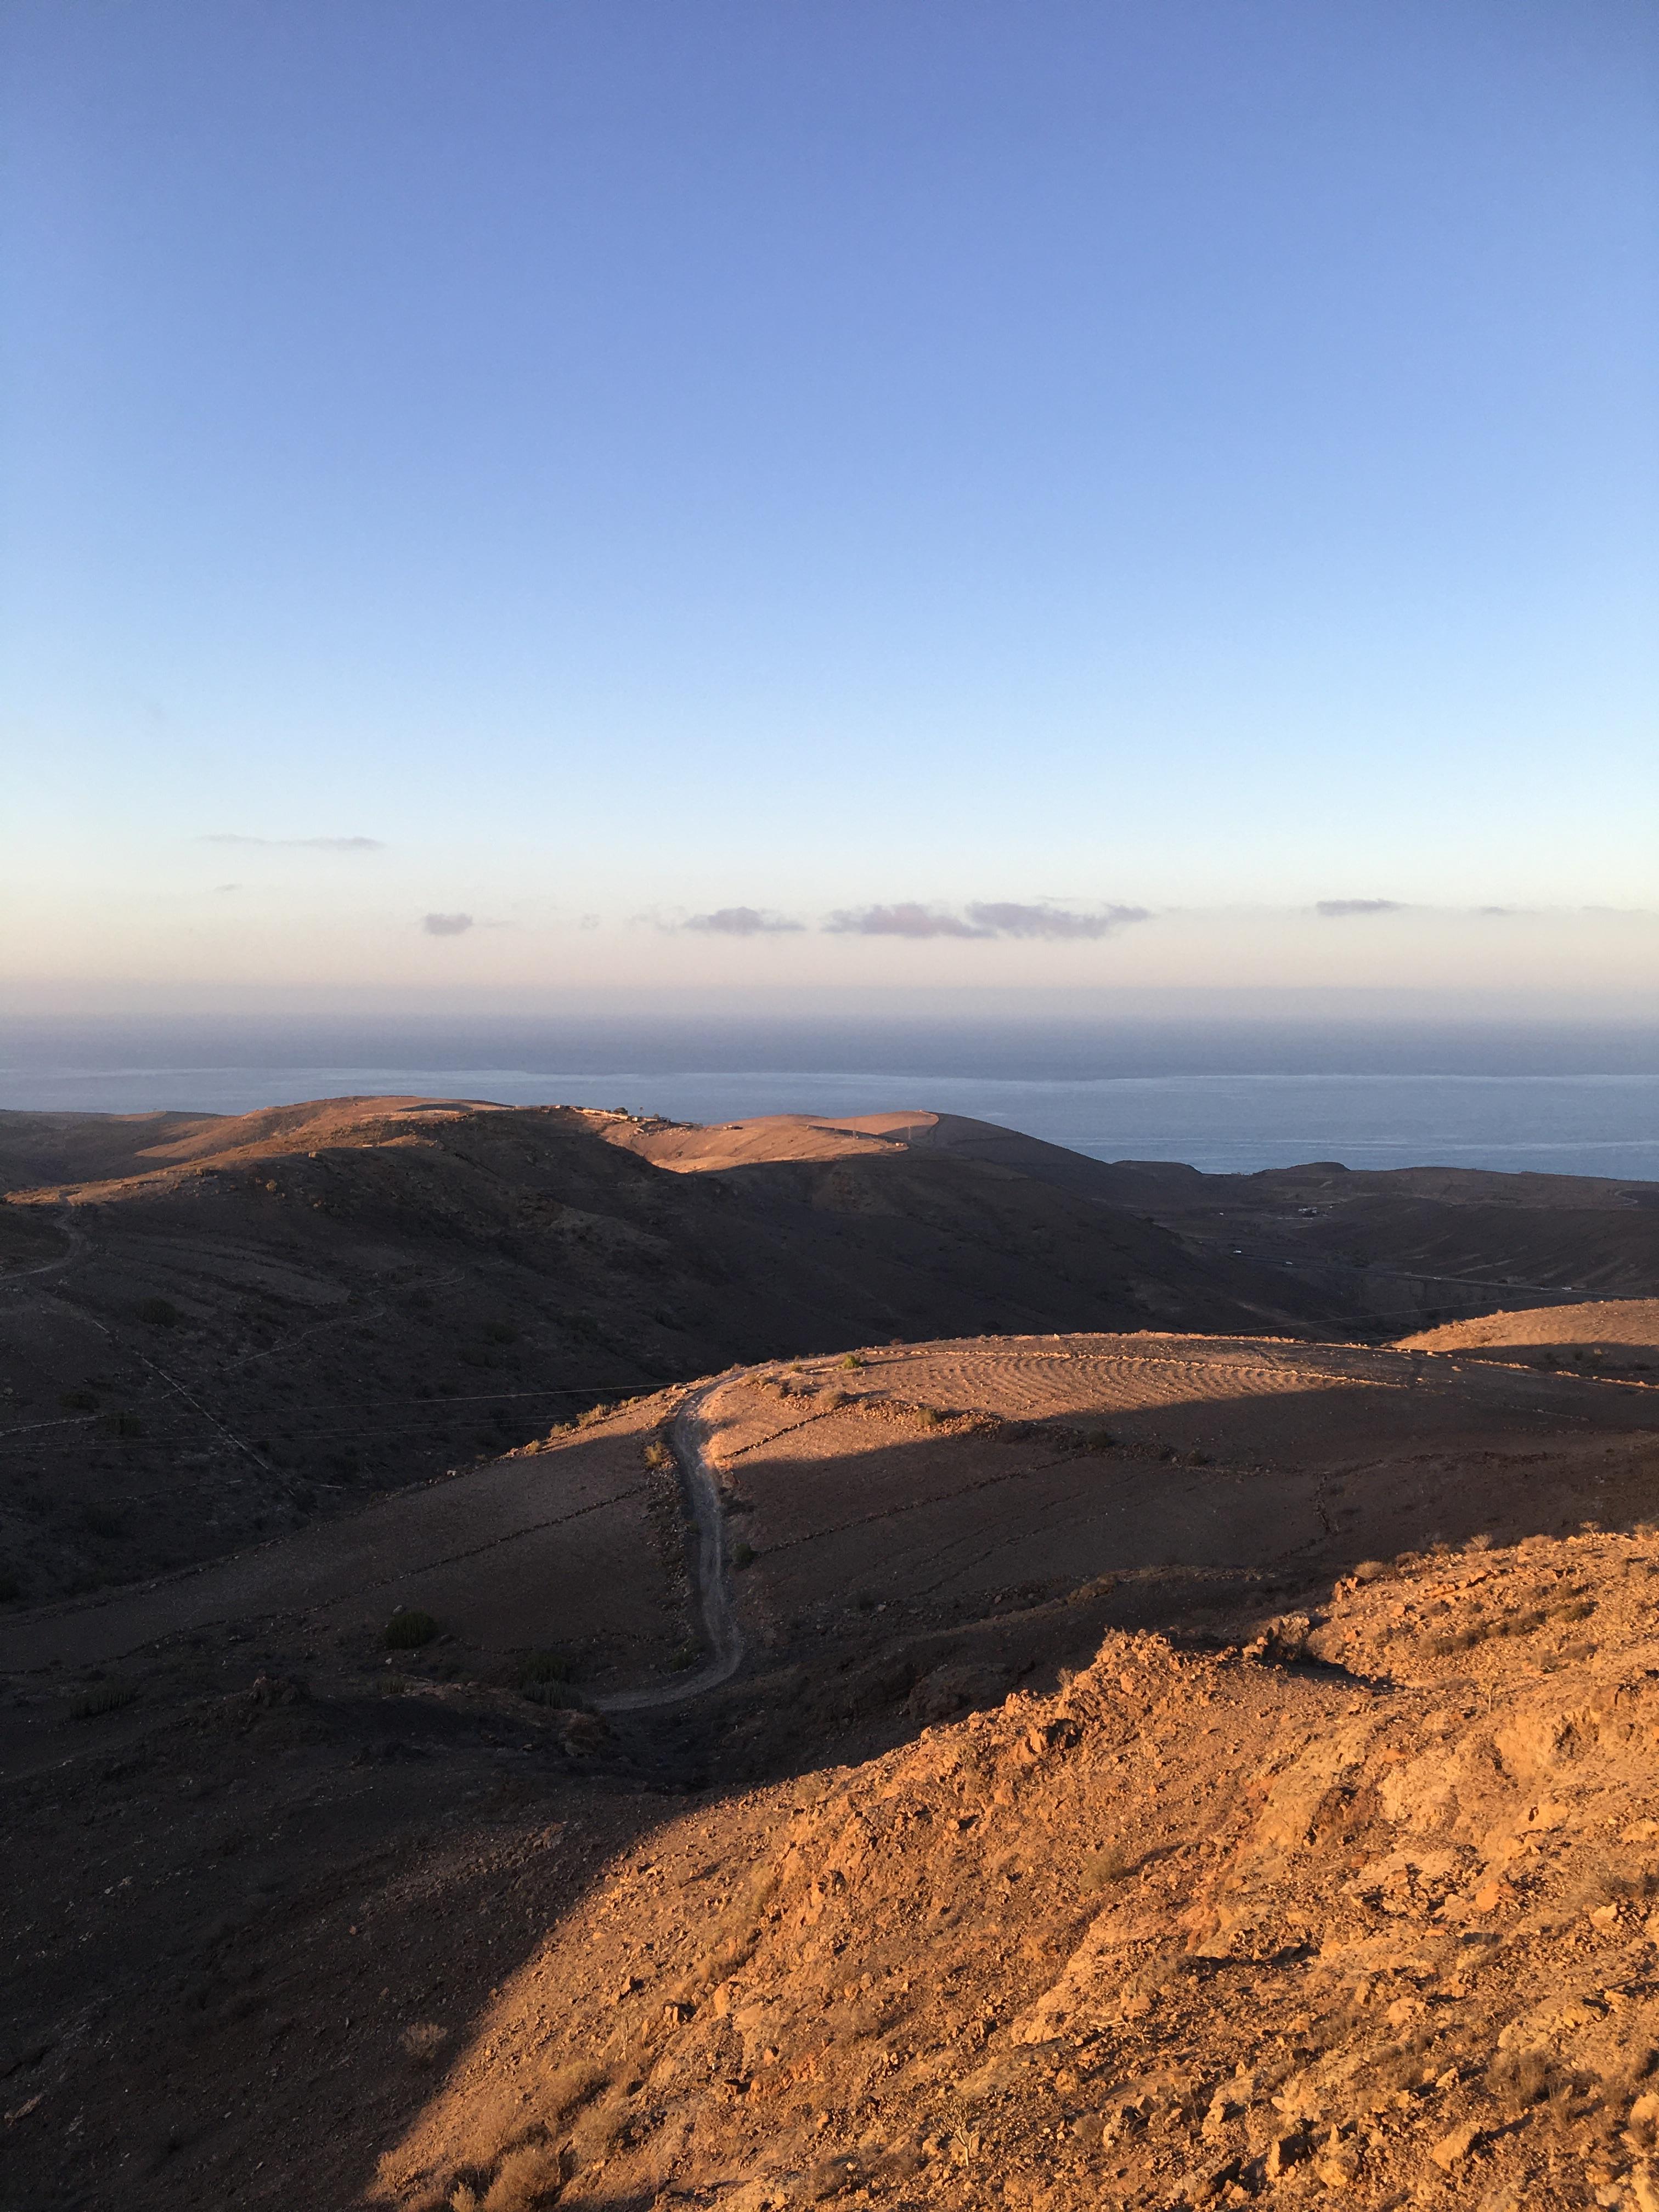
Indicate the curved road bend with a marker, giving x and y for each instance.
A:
(719, 1625)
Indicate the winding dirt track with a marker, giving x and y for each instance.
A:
(686, 1433)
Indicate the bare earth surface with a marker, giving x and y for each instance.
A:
(553, 1659)
(1375, 1929)
(1142, 1770)
(1614, 1335)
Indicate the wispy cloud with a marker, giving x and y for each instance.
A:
(742, 921)
(299, 844)
(1006, 919)
(1336, 909)
(446, 924)
(905, 920)
(983, 918)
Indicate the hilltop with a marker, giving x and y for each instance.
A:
(221, 1328)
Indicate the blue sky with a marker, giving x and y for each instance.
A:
(1160, 466)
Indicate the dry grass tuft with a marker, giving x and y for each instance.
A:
(1518, 2079)
(107, 1697)
(409, 1629)
(423, 2041)
(569, 2088)
(526, 2178)
(1099, 1870)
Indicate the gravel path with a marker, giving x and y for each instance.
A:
(686, 1435)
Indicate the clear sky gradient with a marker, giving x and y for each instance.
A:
(529, 496)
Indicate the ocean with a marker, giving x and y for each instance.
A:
(1225, 1096)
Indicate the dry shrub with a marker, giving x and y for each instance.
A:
(107, 1697)
(409, 1629)
(1403, 2065)
(1612, 1884)
(1518, 2078)
(423, 2041)
(1099, 1870)
(526, 2178)
(596, 2131)
(569, 2088)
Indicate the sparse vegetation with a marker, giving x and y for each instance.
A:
(408, 1631)
(103, 1698)
(743, 1555)
(852, 1360)
(1105, 1866)
(160, 1313)
(421, 2042)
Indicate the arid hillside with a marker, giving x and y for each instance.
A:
(214, 1330)
(1365, 1253)
(1613, 1336)
(1359, 1913)
(1152, 1770)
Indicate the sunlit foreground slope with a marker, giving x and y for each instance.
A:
(1357, 1905)
(1195, 1925)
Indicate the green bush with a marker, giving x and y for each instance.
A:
(853, 1359)
(743, 1555)
(407, 1632)
(544, 1666)
(161, 1312)
(501, 1332)
(77, 1401)
(10, 1589)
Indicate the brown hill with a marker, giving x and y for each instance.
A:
(230, 1325)
(1092, 1818)
(1611, 1336)
(1364, 1252)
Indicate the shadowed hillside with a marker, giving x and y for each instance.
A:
(227, 1327)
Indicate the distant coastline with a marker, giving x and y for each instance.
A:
(1223, 1098)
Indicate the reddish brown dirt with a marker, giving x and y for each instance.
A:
(1261, 1863)
(1611, 1336)
(950, 1471)
(1376, 1928)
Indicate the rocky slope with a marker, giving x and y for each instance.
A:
(1363, 1910)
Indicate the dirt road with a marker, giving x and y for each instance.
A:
(687, 1434)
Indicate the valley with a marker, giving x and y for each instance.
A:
(1105, 1736)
